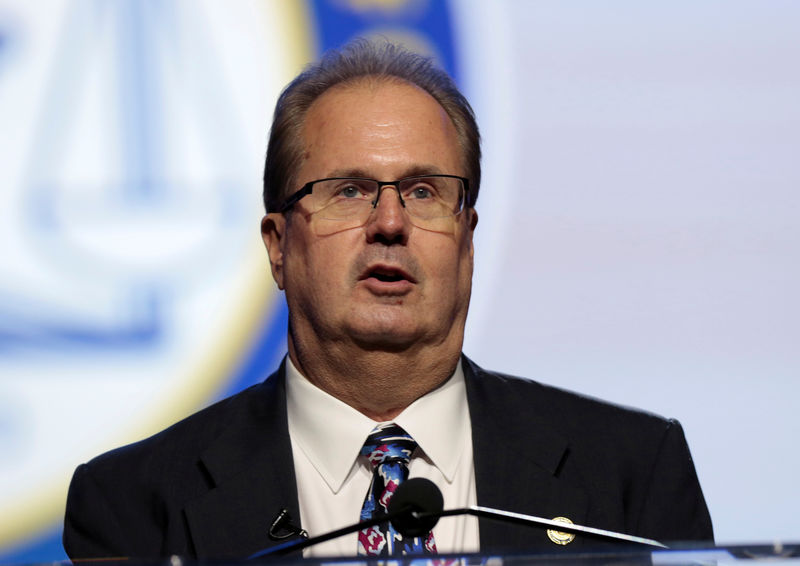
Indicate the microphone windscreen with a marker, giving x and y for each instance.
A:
(416, 495)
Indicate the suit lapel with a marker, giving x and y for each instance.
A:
(251, 473)
(517, 458)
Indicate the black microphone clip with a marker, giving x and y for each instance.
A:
(282, 527)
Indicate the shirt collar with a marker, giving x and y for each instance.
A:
(439, 422)
(331, 433)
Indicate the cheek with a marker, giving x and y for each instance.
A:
(464, 266)
(319, 265)
(449, 264)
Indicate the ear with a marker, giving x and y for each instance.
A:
(472, 222)
(273, 232)
(473, 219)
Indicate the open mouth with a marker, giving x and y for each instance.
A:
(386, 277)
(386, 274)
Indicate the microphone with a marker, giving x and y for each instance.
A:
(417, 505)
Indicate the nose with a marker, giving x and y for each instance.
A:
(388, 222)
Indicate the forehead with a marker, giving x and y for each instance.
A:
(378, 127)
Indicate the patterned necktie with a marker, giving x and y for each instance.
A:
(388, 448)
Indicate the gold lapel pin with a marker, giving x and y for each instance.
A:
(560, 537)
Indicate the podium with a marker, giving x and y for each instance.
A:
(776, 554)
(773, 554)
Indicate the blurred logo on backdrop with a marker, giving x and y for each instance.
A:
(133, 285)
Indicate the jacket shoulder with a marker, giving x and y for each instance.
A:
(189, 436)
(563, 408)
(130, 501)
(635, 466)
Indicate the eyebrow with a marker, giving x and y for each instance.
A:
(412, 171)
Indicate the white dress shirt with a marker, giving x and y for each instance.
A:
(333, 479)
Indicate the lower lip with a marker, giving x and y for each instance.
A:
(379, 287)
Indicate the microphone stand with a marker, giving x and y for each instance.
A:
(509, 516)
(477, 511)
(416, 507)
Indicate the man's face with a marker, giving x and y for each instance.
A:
(387, 284)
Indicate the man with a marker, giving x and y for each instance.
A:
(371, 179)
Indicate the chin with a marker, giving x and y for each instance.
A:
(392, 333)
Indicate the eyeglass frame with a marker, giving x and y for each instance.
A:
(307, 189)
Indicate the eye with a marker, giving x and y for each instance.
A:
(421, 191)
(349, 191)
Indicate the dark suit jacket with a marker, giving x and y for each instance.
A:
(210, 486)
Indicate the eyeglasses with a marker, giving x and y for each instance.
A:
(432, 201)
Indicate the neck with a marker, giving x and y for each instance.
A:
(363, 377)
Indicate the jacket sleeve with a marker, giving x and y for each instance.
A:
(674, 508)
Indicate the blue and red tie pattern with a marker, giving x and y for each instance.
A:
(388, 448)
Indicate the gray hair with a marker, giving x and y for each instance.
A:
(361, 59)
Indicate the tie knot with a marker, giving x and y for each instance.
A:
(388, 443)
